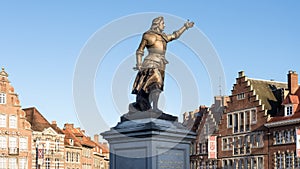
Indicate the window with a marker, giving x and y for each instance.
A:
(247, 120)
(71, 142)
(297, 161)
(47, 146)
(278, 138)
(67, 156)
(12, 142)
(253, 163)
(288, 161)
(3, 162)
(214, 164)
(13, 121)
(247, 144)
(72, 157)
(77, 157)
(229, 118)
(241, 121)
(287, 136)
(13, 163)
(23, 144)
(241, 96)
(2, 98)
(225, 165)
(206, 129)
(3, 142)
(2, 120)
(260, 163)
(288, 110)
(279, 160)
(240, 145)
(47, 163)
(56, 163)
(225, 144)
(235, 145)
(22, 163)
(236, 121)
(260, 140)
(56, 145)
(204, 148)
(253, 116)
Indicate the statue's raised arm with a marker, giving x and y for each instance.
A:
(179, 32)
(149, 81)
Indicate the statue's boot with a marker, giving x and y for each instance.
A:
(154, 96)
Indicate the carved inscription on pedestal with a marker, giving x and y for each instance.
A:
(171, 159)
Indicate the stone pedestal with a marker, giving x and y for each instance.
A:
(148, 140)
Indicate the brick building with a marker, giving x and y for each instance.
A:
(100, 154)
(83, 153)
(15, 131)
(47, 141)
(283, 129)
(243, 138)
(205, 125)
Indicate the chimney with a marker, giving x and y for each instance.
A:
(96, 138)
(292, 81)
(241, 74)
(54, 123)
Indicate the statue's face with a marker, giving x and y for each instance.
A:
(161, 25)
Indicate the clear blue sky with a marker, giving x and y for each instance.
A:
(40, 42)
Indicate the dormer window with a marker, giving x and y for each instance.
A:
(71, 142)
(2, 98)
(241, 96)
(288, 110)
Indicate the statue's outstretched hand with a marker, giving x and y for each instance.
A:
(189, 24)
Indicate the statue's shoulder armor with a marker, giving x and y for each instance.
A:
(157, 34)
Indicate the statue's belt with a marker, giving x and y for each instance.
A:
(156, 57)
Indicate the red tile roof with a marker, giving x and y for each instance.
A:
(291, 99)
(38, 121)
(77, 135)
(296, 115)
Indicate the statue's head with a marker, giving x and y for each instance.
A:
(158, 24)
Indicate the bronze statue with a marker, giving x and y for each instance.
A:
(149, 82)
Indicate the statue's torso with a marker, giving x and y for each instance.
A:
(156, 42)
(156, 46)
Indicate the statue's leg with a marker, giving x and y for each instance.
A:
(154, 96)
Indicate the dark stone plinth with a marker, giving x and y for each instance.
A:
(148, 114)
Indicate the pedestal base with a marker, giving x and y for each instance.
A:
(149, 143)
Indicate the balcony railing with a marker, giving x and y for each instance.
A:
(13, 151)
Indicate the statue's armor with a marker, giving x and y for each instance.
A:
(156, 46)
(149, 81)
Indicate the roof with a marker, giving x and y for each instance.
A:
(77, 135)
(69, 135)
(296, 115)
(103, 147)
(291, 99)
(38, 122)
(269, 92)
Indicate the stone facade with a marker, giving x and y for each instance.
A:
(48, 141)
(15, 131)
